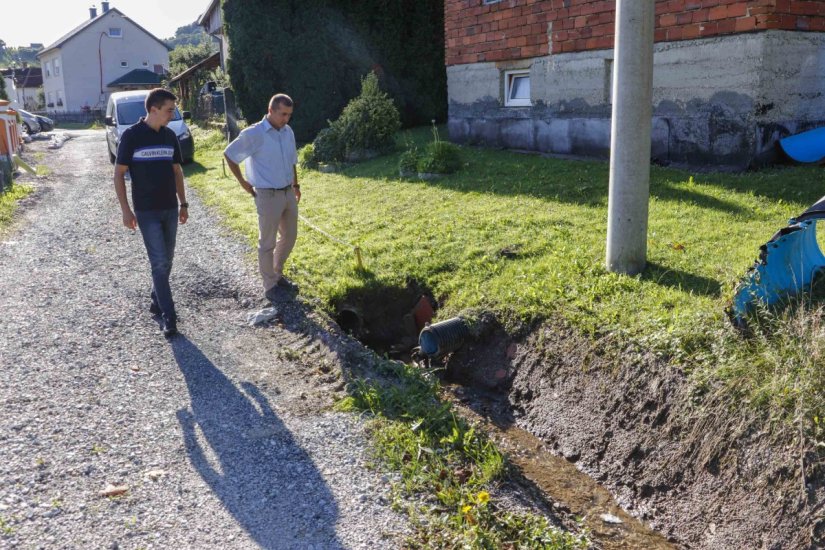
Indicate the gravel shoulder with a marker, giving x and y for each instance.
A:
(224, 436)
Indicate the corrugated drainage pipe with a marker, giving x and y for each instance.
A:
(443, 337)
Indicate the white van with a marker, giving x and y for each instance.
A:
(126, 108)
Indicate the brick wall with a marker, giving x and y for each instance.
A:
(516, 29)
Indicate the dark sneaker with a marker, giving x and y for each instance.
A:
(286, 284)
(154, 309)
(274, 294)
(170, 328)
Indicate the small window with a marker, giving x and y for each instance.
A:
(490, 1)
(517, 89)
(124, 63)
(145, 63)
(115, 32)
(56, 67)
(48, 68)
(158, 69)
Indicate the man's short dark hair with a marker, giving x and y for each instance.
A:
(158, 97)
(280, 99)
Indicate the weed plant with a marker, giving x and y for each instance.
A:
(448, 470)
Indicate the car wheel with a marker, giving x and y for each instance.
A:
(27, 128)
(112, 157)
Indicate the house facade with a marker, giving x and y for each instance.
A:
(212, 22)
(23, 86)
(83, 67)
(730, 77)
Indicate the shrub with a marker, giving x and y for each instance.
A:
(328, 146)
(440, 157)
(370, 121)
(408, 163)
(306, 157)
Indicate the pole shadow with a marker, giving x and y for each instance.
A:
(250, 460)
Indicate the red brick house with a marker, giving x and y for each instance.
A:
(730, 77)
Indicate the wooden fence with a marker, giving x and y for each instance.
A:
(85, 117)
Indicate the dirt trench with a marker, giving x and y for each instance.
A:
(702, 480)
(706, 481)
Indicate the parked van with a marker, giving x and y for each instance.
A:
(126, 108)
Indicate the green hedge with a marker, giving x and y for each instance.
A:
(317, 51)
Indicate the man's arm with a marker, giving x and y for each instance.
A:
(236, 171)
(295, 186)
(181, 190)
(120, 188)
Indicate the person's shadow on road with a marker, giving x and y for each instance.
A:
(250, 460)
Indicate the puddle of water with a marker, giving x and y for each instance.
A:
(565, 484)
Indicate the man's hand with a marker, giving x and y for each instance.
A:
(129, 220)
(297, 194)
(248, 187)
(183, 215)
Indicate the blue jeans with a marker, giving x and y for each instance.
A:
(159, 229)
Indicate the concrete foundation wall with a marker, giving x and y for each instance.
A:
(721, 101)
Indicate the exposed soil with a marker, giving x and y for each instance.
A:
(702, 479)
(701, 476)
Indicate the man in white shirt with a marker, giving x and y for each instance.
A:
(267, 149)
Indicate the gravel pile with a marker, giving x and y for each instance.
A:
(222, 437)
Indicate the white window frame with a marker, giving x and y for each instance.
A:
(508, 79)
(57, 67)
(124, 64)
(48, 69)
(118, 34)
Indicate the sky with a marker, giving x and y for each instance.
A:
(26, 21)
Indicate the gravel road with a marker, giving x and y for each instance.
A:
(223, 437)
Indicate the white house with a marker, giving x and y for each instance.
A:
(107, 53)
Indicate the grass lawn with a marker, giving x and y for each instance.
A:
(94, 125)
(524, 236)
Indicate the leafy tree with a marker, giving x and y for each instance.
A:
(3, 94)
(19, 56)
(183, 57)
(190, 35)
(317, 51)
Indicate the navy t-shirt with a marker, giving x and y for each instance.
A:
(150, 156)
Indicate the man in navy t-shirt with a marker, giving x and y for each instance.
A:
(151, 153)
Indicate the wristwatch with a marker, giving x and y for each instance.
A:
(184, 205)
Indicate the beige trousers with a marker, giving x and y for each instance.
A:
(277, 231)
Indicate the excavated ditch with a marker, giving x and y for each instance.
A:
(388, 320)
(624, 438)
(702, 478)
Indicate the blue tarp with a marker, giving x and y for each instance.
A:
(787, 264)
(806, 147)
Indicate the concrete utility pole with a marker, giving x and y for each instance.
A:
(630, 137)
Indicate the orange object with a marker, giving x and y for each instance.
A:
(10, 138)
(423, 312)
